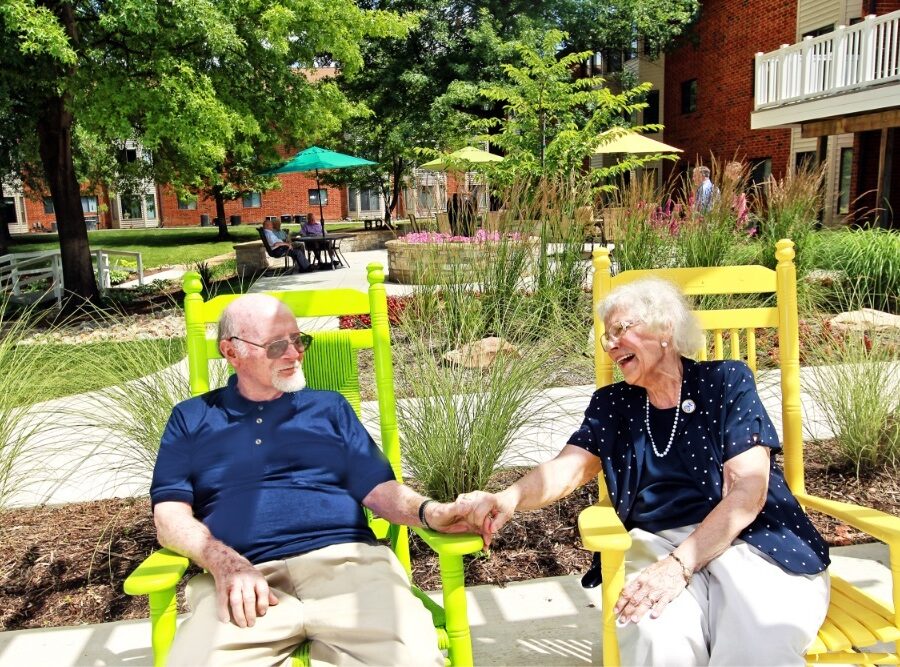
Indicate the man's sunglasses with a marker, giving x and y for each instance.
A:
(277, 348)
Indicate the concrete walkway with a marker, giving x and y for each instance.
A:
(543, 622)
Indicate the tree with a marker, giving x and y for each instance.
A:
(208, 88)
(553, 122)
(424, 90)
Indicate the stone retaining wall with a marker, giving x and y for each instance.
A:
(417, 263)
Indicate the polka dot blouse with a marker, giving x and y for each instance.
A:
(728, 418)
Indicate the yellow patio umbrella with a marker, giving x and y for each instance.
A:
(632, 143)
(462, 159)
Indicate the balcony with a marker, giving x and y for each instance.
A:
(848, 71)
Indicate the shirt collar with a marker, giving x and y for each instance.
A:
(235, 405)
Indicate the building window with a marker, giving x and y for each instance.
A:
(651, 112)
(129, 155)
(689, 96)
(150, 207)
(760, 170)
(818, 32)
(89, 204)
(48, 205)
(843, 202)
(187, 204)
(131, 207)
(804, 160)
(252, 200)
(317, 197)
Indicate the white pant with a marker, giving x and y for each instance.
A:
(741, 609)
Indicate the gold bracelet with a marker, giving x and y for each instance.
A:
(685, 570)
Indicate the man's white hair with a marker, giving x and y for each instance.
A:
(661, 306)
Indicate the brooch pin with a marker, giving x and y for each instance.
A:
(688, 406)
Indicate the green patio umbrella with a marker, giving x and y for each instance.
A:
(314, 159)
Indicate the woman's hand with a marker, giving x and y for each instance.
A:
(652, 591)
(487, 512)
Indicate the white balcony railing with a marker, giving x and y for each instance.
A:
(863, 55)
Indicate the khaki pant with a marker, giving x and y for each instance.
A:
(351, 601)
(741, 609)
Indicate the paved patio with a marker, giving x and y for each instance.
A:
(544, 622)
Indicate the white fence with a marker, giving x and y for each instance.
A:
(850, 58)
(20, 270)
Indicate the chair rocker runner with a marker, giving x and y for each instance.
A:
(329, 364)
(855, 620)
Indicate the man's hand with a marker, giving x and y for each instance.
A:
(242, 592)
(652, 590)
(486, 513)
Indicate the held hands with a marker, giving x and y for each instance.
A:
(652, 590)
(242, 592)
(486, 513)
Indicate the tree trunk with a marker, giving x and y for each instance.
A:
(223, 234)
(55, 146)
(54, 129)
(397, 185)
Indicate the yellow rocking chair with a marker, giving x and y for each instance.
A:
(855, 620)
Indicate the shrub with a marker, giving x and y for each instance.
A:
(854, 378)
(870, 260)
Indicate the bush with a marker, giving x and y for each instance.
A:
(870, 260)
(854, 378)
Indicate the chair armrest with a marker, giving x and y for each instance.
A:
(880, 525)
(457, 544)
(602, 530)
(161, 570)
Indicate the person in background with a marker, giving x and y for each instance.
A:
(316, 248)
(311, 227)
(280, 248)
(280, 233)
(705, 193)
(724, 568)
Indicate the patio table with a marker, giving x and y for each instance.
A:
(316, 245)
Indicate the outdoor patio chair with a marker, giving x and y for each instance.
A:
(330, 363)
(855, 620)
(271, 253)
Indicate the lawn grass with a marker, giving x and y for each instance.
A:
(165, 246)
(70, 368)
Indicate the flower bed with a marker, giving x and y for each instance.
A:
(431, 257)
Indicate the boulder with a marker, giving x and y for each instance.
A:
(481, 353)
(866, 319)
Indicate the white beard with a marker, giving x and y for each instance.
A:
(294, 382)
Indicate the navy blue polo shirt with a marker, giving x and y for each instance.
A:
(729, 419)
(271, 479)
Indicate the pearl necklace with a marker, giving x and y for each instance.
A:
(674, 426)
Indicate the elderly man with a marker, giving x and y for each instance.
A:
(261, 483)
(280, 248)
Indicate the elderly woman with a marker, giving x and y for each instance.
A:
(725, 568)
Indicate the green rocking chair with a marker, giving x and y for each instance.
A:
(331, 363)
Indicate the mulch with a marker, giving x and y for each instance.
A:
(64, 565)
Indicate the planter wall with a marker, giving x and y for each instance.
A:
(418, 263)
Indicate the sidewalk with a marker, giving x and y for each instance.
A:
(543, 622)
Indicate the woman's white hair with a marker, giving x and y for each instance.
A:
(661, 306)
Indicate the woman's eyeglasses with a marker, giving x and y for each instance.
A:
(277, 348)
(615, 332)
